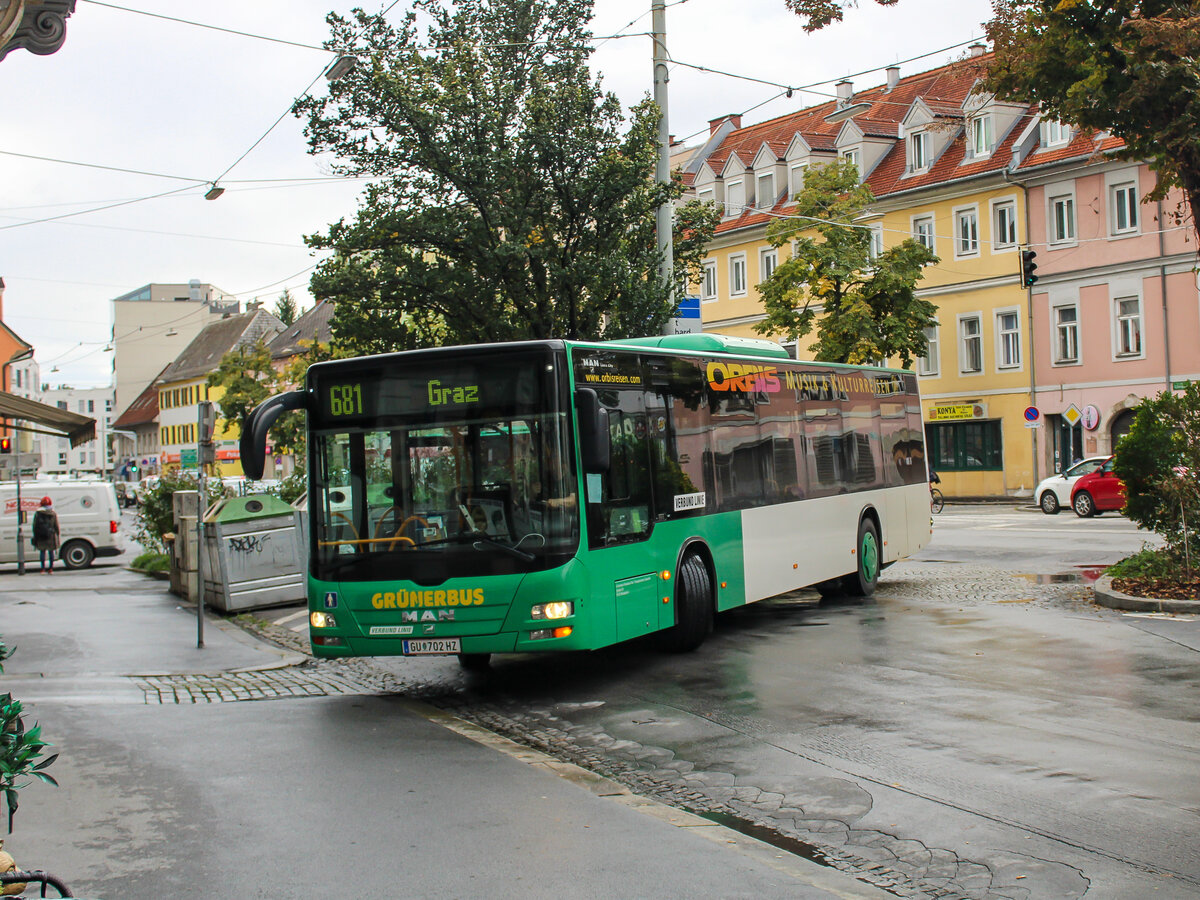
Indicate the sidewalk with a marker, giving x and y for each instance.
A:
(332, 792)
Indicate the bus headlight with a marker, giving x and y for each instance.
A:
(559, 609)
(319, 619)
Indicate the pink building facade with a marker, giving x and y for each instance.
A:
(1116, 307)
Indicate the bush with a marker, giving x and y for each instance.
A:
(1159, 461)
(20, 749)
(150, 561)
(156, 516)
(1146, 563)
(294, 486)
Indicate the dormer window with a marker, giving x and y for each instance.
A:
(706, 195)
(796, 177)
(981, 136)
(735, 198)
(855, 157)
(764, 196)
(918, 151)
(1055, 133)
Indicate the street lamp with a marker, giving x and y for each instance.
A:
(342, 66)
(849, 111)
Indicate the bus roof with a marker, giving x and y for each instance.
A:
(707, 342)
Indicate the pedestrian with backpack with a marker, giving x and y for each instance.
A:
(45, 533)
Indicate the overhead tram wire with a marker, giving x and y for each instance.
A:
(260, 37)
(291, 105)
(93, 209)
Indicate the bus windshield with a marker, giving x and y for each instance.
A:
(443, 468)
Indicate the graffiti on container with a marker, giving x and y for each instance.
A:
(250, 543)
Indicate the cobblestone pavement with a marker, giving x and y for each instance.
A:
(811, 816)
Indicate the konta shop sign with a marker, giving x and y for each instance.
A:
(957, 412)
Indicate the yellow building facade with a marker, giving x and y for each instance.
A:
(940, 171)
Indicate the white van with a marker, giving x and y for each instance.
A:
(89, 520)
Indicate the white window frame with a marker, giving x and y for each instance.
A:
(737, 275)
(796, 176)
(764, 199)
(1061, 230)
(732, 189)
(966, 339)
(855, 156)
(1066, 335)
(1127, 325)
(1123, 200)
(1055, 133)
(1008, 339)
(929, 364)
(875, 245)
(918, 151)
(707, 195)
(966, 215)
(768, 261)
(918, 234)
(1004, 242)
(708, 281)
(981, 136)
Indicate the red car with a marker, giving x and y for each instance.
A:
(1097, 492)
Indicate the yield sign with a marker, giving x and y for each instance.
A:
(1072, 415)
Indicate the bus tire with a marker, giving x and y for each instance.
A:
(693, 607)
(861, 583)
(76, 554)
(475, 662)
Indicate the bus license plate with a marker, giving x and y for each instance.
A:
(432, 646)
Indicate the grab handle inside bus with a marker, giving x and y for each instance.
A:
(253, 444)
(594, 445)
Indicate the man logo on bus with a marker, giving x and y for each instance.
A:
(747, 378)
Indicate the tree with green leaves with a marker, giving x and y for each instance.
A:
(819, 13)
(510, 200)
(247, 377)
(1127, 67)
(286, 309)
(865, 308)
(1158, 462)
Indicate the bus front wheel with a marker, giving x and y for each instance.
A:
(862, 582)
(693, 607)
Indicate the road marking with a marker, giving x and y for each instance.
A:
(293, 617)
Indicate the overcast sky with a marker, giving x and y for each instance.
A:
(130, 91)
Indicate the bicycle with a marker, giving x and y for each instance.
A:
(936, 500)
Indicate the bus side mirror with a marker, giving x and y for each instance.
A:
(253, 444)
(594, 447)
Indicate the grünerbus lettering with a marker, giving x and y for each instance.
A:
(403, 599)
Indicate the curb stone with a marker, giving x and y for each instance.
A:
(1107, 595)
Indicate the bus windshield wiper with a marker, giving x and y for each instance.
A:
(481, 538)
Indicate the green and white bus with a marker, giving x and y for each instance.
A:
(562, 495)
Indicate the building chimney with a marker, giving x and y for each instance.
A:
(893, 77)
(845, 90)
(977, 49)
(714, 124)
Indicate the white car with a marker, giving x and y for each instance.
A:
(1054, 493)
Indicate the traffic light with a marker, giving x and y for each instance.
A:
(6, 445)
(1028, 268)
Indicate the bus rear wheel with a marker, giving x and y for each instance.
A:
(862, 582)
(693, 607)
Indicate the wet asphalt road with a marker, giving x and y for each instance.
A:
(977, 729)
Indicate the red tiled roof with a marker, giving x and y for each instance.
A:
(143, 410)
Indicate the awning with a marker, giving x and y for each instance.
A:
(78, 428)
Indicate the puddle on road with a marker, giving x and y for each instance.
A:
(1085, 575)
(767, 836)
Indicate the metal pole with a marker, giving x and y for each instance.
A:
(200, 531)
(665, 216)
(20, 522)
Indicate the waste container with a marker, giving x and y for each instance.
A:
(254, 554)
